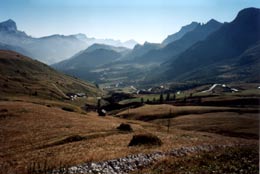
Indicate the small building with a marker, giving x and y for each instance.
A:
(143, 91)
(81, 94)
(102, 112)
(72, 96)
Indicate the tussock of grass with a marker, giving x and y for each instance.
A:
(145, 139)
(67, 109)
(125, 127)
(3, 110)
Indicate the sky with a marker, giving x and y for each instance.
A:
(141, 20)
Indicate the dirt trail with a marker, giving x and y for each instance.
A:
(60, 91)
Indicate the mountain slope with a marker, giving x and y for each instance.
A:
(83, 63)
(54, 48)
(96, 46)
(178, 46)
(140, 50)
(116, 43)
(95, 55)
(20, 75)
(226, 44)
(176, 36)
(14, 48)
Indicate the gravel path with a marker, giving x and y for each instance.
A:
(132, 162)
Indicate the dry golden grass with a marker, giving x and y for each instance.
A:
(152, 112)
(239, 159)
(234, 124)
(33, 132)
(22, 75)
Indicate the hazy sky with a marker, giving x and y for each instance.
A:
(142, 20)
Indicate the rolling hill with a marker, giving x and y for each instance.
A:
(22, 76)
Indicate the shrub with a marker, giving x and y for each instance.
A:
(145, 139)
(3, 110)
(70, 139)
(35, 93)
(67, 109)
(125, 127)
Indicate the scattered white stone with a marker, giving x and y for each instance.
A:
(132, 162)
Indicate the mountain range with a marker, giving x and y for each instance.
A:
(81, 64)
(222, 48)
(198, 53)
(50, 49)
(141, 58)
(174, 48)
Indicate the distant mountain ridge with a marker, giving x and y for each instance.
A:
(222, 48)
(212, 52)
(82, 63)
(140, 50)
(9, 26)
(141, 59)
(53, 48)
(176, 47)
(176, 36)
(93, 56)
(108, 47)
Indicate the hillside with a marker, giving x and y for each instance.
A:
(97, 46)
(222, 48)
(83, 63)
(36, 136)
(94, 56)
(22, 76)
(140, 50)
(20, 50)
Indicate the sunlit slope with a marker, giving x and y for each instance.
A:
(20, 75)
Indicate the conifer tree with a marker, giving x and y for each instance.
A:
(161, 98)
